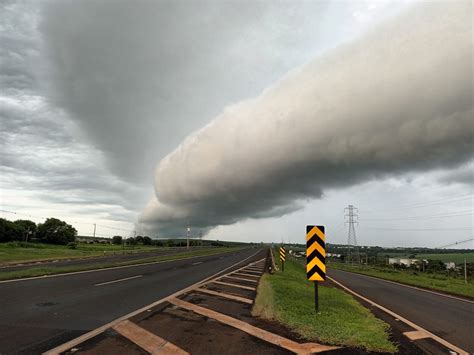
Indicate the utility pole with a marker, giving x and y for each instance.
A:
(95, 225)
(352, 247)
(200, 237)
(28, 232)
(187, 237)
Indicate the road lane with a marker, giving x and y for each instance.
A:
(36, 315)
(449, 318)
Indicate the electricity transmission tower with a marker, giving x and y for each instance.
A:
(352, 247)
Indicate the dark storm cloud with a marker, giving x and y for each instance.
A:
(41, 154)
(396, 101)
(463, 175)
(139, 76)
(19, 51)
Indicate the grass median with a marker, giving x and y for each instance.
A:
(15, 252)
(44, 271)
(439, 282)
(288, 297)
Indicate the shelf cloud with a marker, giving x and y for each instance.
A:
(397, 100)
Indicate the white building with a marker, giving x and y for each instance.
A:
(402, 261)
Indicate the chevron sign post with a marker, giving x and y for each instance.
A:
(315, 258)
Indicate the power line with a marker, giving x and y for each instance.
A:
(440, 215)
(116, 228)
(445, 200)
(422, 229)
(456, 243)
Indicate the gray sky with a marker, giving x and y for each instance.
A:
(247, 120)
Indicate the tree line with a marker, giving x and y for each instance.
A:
(52, 231)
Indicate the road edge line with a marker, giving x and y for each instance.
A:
(406, 321)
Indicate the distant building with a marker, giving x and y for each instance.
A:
(450, 265)
(403, 261)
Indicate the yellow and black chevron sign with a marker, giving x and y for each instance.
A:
(315, 253)
(282, 254)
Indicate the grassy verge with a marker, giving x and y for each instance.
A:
(14, 252)
(41, 271)
(431, 281)
(289, 298)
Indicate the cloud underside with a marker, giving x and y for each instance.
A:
(398, 100)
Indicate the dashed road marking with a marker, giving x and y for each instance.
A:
(119, 280)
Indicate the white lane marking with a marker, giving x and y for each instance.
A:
(106, 268)
(68, 345)
(119, 280)
(406, 321)
(198, 262)
(410, 286)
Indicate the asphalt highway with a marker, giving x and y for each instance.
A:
(95, 260)
(449, 318)
(37, 315)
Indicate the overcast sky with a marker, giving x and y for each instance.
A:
(244, 120)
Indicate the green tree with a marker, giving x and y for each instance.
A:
(131, 241)
(8, 231)
(55, 231)
(26, 227)
(117, 240)
(146, 240)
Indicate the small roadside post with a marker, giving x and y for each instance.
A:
(465, 271)
(282, 257)
(315, 258)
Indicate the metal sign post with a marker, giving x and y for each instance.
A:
(316, 297)
(315, 258)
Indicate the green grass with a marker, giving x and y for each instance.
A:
(431, 281)
(289, 298)
(42, 271)
(14, 252)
